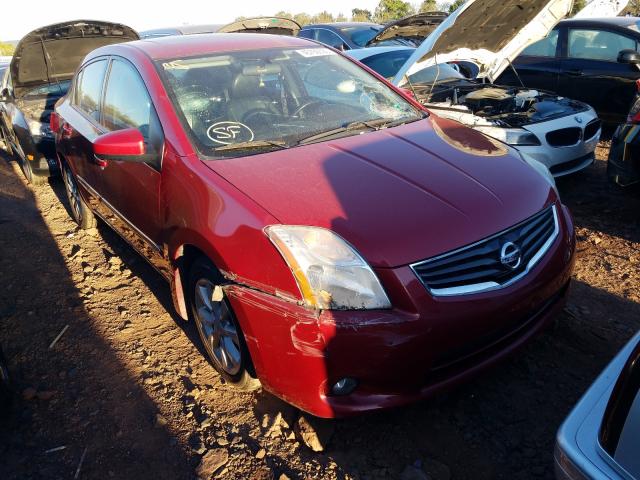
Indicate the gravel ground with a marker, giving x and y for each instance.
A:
(126, 393)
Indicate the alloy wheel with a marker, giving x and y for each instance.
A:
(73, 194)
(217, 327)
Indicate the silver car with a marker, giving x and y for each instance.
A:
(600, 439)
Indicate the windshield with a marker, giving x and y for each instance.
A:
(360, 34)
(55, 89)
(387, 64)
(443, 72)
(276, 98)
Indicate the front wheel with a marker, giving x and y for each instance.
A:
(79, 210)
(218, 328)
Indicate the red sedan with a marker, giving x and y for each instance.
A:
(330, 239)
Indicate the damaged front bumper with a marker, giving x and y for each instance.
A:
(423, 345)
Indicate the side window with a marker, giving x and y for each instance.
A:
(127, 105)
(308, 33)
(597, 44)
(329, 38)
(543, 48)
(90, 89)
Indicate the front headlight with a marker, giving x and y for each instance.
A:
(329, 272)
(511, 136)
(39, 129)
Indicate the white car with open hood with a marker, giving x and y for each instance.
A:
(482, 38)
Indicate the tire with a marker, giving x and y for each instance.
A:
(25, 166)
(217, 326)
(80, 212)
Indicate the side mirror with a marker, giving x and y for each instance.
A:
(122, 145)
(629, 56)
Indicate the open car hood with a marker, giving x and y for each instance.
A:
(53, 53)
(602, 8)
(274, 25)
(490, 33)
(414, 28)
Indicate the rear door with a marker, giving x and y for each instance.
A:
(131, 190)
(591, 72)
(538, 65)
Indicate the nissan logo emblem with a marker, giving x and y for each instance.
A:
(510, 255)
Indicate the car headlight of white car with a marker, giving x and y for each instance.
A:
(511, 136)
(330, 273)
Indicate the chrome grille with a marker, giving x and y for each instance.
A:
(488, 264)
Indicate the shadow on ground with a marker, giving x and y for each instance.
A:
(83, 397)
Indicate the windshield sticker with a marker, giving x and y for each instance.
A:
(315, 52)
(227, 133)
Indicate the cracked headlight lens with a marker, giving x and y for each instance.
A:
(330, 273)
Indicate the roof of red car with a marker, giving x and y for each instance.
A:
(202, 44)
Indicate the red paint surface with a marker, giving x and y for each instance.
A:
(398, 195)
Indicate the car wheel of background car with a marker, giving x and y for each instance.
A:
(79, 210)
(25, 166)
(218, 328)
(5, 141)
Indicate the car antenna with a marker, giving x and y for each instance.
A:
(435, 79)
(516, 72)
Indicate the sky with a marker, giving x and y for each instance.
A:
(20, 17)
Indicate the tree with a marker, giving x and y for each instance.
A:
(283, 14)
(388, 10)
(341, 18)
(428, 6)
(633, 8)
(322, 17)
(454, 6)
(6, 49)
(362, 15)
(577, 6)
(302, 18)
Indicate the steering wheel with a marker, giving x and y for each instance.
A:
(246, 118)
(305, 105)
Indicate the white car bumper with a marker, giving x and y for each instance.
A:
(567, 144)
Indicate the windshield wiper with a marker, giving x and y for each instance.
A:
(376, 124)
(278, 144)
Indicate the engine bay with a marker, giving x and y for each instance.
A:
(499, 106)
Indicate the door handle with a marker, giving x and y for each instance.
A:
(100, 162)
(575, 73)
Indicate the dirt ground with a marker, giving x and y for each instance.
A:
(126, 393)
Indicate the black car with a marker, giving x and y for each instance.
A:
(623, 166)
(345, 35)
(592, 60)
(39, 74)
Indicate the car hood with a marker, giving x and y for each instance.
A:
(490, 33)
(53, 53)
(602, 9)
(398, 195)
(414, 28)
(274, 25)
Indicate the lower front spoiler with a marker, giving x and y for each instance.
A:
(292, 359)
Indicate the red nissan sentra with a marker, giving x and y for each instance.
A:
(331, 240)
